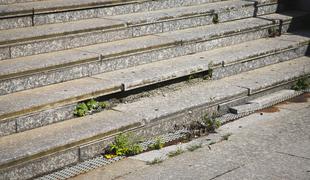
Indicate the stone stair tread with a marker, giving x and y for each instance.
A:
(264, 101)
(261, 78)
(127, 45)
(286, 14)
(185, 65)
(53, 5)
(134, 77)
(282, 72)
(50, 6)
(75, 131)
(46, 31)
(29, 64)
(62, 93)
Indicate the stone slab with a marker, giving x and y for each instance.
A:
(208, 93)
(50, 30)
(63, 135)
(7, 127)
(40, 166)
(182, 66)
(244, 108)
(49, 96)
(147, 109)
(262, 101)
(280, 73)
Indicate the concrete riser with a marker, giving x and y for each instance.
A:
(159, 126)
(38, 119)
(134, 59)
(52, 44)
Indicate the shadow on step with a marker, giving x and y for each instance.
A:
(300, 25)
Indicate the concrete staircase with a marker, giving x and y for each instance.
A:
(163, 63)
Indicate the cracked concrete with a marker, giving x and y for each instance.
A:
(264, 145)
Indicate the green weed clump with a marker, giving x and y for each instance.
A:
(124, 145)
(158, 144)
(301, 84)
(84, 108)
(210, 123)
(175, 153)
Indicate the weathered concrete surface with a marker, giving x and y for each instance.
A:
(264, 145)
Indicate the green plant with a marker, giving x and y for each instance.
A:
(226, 136)
(212, 142)
(92, 104)
(211, 123)
(158, 144)
(80, 110)
(301, 84)
(155, 161)
(176, 152)
(194, 147)
(104, 105)
(124, 145)
(215, 18)
(209, 72)
(273, 32)
(89, 106)
(190, 77)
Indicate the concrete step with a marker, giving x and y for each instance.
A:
(35, 109)
(51, 11)
(40, 70)
(38, 151)
(264, 102)
(7, 2)
(25, 41)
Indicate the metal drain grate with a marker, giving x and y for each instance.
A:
(307, 90)
(100, 161)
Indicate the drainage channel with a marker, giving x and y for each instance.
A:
(101, 161)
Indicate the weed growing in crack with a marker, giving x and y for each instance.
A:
(80, 110)
(226, 136)
(175, 153)
(211, 123)
(194, 147)
(273, 32)
(211, 143)
(158, 144)
(155, 161)
(90, 106)
(215, 19)
(301, 84)
(124, 145)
